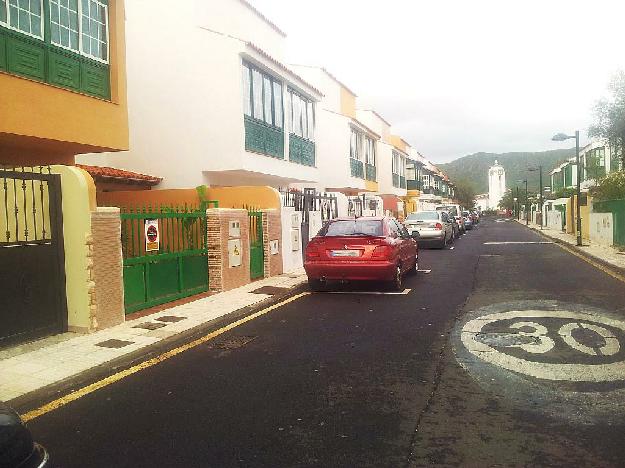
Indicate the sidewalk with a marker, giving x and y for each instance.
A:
(596, 251)
(33, 366)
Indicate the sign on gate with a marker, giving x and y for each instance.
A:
(151, 235)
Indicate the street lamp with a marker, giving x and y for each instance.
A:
(516, 208)
(563, 137)
(540, 200)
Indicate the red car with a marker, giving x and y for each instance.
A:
(367, 248)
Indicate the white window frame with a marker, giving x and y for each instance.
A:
(108, 42)
(8, 23)
(61, 46)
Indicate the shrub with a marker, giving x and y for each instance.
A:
(611, 187)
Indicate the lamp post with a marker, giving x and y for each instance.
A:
(527, 219)
(516, 207)
(562, 137)
(540, 200)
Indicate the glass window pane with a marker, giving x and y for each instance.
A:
(267, 100)
(35, 7)
(257, 93)
(311, 121)
(3, 12)
(35, 25)
(86, 44)
(13, 16)
(247, 92)
(304, 119)
(24, 4)
(277, 103)
(65, 37)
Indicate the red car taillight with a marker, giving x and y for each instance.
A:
(438, 226)
(312, 251)
(381, 251)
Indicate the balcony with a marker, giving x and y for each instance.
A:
(371, 172)
(264, 139)
(413, 184)
(301, 151)
(357, 168)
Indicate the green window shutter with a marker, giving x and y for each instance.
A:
(3, 51)
(26, 58)
(95, 79)
(64, 70)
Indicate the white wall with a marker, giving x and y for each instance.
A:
(602, 228)
(291, 243)
(554, 219)
(236, 18)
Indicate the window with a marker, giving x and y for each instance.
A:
(262, 96)
(64, 23)
(302, 117)
(397, 164)
(94, 29)
(356, 149)
(426, 181)
(3, 12)
(352, 228)
(26, 16)
(247, 91)
(369, 151)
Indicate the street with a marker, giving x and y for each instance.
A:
(348, 379)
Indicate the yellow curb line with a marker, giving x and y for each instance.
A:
(60, 402)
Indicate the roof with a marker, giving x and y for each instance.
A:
(263, 17)
(281, 65)
(360, 124)
(325, 70)
(378, 115)
(111, 173)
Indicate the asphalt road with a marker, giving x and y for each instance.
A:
(355, 380)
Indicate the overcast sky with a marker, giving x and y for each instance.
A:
(455, 77)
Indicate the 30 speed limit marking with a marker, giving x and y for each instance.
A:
(564, 359)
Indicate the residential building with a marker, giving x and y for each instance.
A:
(62, 80)
(223, 109)
(564, 176)
(346, 149)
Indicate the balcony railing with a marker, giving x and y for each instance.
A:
(262, 138)
(402, 182)
(413, 184)
(357, 168)
(370, 172)
(301, 151)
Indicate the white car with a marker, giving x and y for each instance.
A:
(431, 227)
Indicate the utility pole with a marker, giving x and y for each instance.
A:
(527, 219)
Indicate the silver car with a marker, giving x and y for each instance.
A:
(431, 227)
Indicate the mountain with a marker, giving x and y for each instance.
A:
(474, 167)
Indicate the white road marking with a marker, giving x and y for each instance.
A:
(370, 293)
(490, 255)
(542, 370)
(425, 271)
(451, 248)
(517, 242)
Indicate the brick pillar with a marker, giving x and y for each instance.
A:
(223, 276)
(272, 232)
(107, 285)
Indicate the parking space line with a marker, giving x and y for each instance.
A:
(425, 271)
(517, 242)
(369, 293)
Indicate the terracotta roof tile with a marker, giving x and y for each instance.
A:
(103, 172)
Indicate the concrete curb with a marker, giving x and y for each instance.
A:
(579, 250)
(50, 392)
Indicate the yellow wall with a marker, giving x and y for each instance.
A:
(371, 186)
(240, 197)
(348, 103)
(398, 143)
(78, 192)
(571, 217)
(45, 124)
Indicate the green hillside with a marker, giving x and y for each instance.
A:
(474, 167)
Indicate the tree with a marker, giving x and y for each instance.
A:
(507, 201)
(610, 116)
(465, 192)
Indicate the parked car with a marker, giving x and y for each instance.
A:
(355, 249)
(468, 220)
(456, 212)
(17, 448)
(476, 216)
(431, 227)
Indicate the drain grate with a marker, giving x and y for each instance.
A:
(271, 290)
(116, 344)
(150, 325)
(233, 343)
(170, 318)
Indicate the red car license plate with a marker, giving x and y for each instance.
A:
(344, 253)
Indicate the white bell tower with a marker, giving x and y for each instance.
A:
(496, 185)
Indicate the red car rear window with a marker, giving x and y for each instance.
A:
(356, 227)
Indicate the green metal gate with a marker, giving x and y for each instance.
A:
(257, 253)
(165, 255)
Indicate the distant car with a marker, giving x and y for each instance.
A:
(357, 249)
(476, 217)
(17, 448)
(468, 220)
(456, 212)
(431, 227)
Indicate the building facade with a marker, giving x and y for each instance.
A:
(496, 185)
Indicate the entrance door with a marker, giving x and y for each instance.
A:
(32, 256)
(257, 253)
